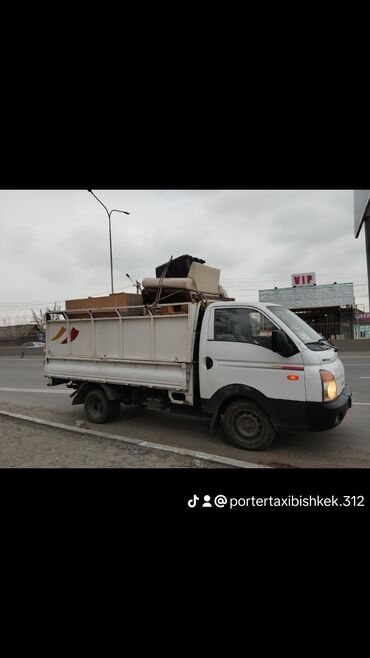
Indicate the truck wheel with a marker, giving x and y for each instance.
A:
(98, 408)
(247, 426)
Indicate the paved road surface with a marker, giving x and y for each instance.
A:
(345, 446)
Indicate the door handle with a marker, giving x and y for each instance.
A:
(209, 362)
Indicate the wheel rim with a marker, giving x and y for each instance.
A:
(248, 424)
(95, 407)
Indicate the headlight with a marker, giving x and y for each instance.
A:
(329, 386)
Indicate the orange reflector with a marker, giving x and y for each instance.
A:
(326, 376)
(293, 378)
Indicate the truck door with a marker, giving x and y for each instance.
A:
(236, 349)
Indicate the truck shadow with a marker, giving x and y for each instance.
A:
(289, 450)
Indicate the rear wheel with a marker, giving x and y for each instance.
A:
(98, 408)
(247, 426)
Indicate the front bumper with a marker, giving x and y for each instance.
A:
(326, 415)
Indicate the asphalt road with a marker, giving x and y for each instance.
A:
(23, 390)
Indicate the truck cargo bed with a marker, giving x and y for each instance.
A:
(143, 350)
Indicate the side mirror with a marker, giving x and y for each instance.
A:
(281, 344)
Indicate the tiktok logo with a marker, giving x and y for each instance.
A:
(193, 501)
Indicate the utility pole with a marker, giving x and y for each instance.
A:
(109, 213)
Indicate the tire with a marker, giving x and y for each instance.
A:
(247, 426)
(98, 408)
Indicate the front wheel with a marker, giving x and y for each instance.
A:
(247, 426)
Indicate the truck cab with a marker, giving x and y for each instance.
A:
(262, 369)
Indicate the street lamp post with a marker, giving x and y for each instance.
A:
(109, 213)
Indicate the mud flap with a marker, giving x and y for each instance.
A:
(111, 392)
(215, 422)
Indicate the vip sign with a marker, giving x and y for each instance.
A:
(307, 279)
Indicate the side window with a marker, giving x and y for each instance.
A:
(261, 329)
(242, 325)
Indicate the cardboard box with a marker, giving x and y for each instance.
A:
(98, 304)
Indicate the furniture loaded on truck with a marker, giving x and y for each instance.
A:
(183, 345)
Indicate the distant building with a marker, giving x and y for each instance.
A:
(14, 335)
(362, 326)
(328, 308)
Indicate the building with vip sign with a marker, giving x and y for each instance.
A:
(329, 308)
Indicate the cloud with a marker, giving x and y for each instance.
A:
(55, 244)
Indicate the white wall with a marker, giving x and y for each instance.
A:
(338, 294)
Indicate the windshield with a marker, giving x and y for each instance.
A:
(301, 329)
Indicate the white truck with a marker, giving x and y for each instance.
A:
(257, 366)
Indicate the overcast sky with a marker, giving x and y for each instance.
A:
(55, 244)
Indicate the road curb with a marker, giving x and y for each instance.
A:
(144, 444)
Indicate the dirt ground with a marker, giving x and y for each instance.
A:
(27, 445)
